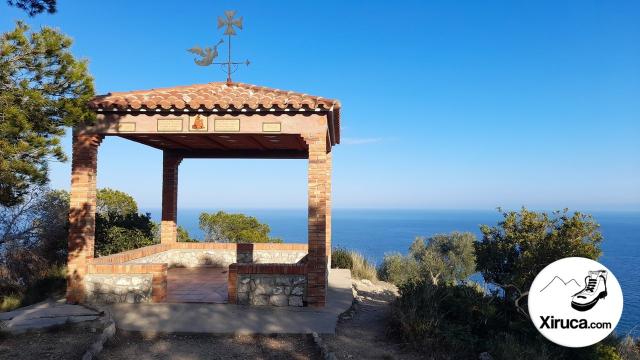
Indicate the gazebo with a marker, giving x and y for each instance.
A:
(214, 120)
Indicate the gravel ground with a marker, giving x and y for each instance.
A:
(129, 345)
(64, 342)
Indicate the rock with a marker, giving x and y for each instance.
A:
(243, 298)
(244, 287)
(131, 298)
(485, 356)
(366, 282)
(259, 300)
(295, 301)
(278, 290)
(281, 280)
(262, 289)
(298, 290)
(279, 300)
(123, 281)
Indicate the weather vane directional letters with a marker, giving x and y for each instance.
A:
(207, 55)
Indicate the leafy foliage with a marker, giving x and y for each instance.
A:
(183, 235)
(448, 258)
(42, 89)
(110, 201)
(121, 232)
(32, 253)
(34, 7)
(116, 239)
(511, 254)
(234, 228)
(341, 259)
(399, 269)
(119, 226)
(53, 226)
(454, 319)
(445, 318)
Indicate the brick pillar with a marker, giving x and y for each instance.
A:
(82, 212)
(329, 166)
(319, 219)
(168, 227)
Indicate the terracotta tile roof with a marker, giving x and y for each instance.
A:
(216, 95)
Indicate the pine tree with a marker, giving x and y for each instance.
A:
(43, 88)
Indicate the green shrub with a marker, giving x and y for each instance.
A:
(183, 235)
(512, 346)
(54, 283)
(442, 258)
(10, 302)
(117, 239)
(513, 252)
(341, 259)
(235, 228)
(398, 269)
(446, 318)
(443, 314)
(360, 267)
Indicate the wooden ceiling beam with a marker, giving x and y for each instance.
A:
(242, 154)
(214, 141)
(178, 143)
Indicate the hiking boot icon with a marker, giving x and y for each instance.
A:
(594, 290)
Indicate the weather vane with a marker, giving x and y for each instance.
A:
(207, 55)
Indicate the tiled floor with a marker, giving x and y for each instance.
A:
(197, 285)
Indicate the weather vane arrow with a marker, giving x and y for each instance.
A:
(208, 55)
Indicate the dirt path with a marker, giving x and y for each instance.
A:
(361, 334)
(126, 346)
(69, 341)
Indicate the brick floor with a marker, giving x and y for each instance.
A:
(197, 285)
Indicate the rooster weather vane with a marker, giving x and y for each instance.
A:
(207, 55)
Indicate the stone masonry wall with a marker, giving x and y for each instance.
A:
(199, 257)
(274, 290)
(118, 288)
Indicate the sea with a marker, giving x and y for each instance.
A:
(378, 232)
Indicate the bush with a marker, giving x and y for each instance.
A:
(183, 235)
(398, 269)
(360, 267)
(442, 258)
(235, 228)
(341, 259)
(457, 319)
(53, 283)
(446, 318)
(512, 253)
(116, 233)
(10, 302)
(118, 239)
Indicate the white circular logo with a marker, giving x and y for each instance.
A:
(575, 302)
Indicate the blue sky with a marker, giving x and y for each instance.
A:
(446, 105)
